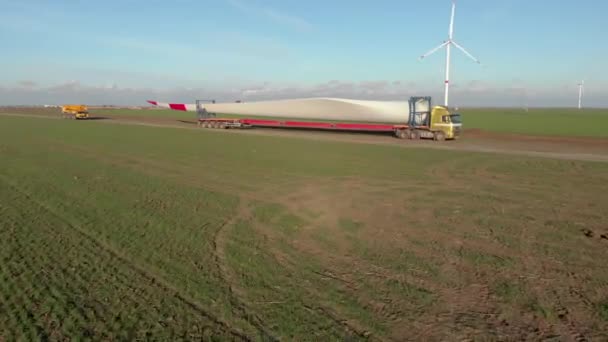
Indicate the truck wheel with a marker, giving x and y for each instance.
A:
(439, 136)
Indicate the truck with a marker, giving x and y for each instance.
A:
(75, 111)
(421, 121)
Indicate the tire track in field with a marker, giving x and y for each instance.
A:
(219, 257)
(192, 304)
(355, 330)
(39, 279)
(58, 282)
(219, 241)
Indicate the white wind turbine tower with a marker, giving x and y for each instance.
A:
(580, 94)
(447, 44)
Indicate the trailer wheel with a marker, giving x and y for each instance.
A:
(206, 124)
(439, 136)
(415, 135)
(401, 134)
(222, 125)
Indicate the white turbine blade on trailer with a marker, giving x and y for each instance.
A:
(433, 50)
(466, 52)
(174, 106)
(322, 108)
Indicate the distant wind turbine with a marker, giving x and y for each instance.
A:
(580, 94)
(447, 44)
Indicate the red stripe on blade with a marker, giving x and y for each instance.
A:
(153, 102)
(177, 106)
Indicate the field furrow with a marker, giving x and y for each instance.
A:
(65, 283)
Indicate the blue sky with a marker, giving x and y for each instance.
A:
(128, 50)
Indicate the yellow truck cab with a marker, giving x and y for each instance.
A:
(442, 120)
(75, 112)
(426, 121)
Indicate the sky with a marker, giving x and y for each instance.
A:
(123, 52)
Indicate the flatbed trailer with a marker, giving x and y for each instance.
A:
(400, 131)
(437, 124)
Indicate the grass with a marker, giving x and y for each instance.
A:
(350, 225)
(61, 279)
(479, 258)
(602, 309)
(508, 291)
(131, 232)
(539, 121)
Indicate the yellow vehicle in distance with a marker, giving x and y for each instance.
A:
(75, 112)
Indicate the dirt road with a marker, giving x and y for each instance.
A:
(474, 140)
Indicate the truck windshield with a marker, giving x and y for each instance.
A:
(455, 118)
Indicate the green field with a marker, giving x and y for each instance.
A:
(535, 121)
(539, 121)
(129, 232)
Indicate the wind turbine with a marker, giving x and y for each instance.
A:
(447, 44)
(580, 93)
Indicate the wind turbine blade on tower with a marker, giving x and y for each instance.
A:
(451, 32)
(466, 52)
(433, 50)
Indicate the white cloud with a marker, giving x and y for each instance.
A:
(281, 18)
(162, 48)
(475, 93)
(27, 84)
(288, 20)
